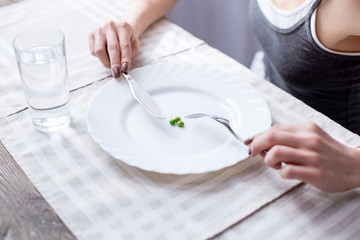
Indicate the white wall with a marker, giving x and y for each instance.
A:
(221, 23)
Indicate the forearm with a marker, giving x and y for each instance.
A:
(142, 13)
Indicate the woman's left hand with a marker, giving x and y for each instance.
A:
(311, 156)
(114, 44)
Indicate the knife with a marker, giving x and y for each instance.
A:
(145, 100)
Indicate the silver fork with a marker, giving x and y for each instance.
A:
(221, 120)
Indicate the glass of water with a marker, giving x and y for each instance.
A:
(41, 58)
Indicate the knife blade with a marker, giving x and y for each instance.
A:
(144, 98)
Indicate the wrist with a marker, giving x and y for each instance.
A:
(134, 24)
(354, 176)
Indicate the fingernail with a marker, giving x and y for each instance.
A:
(249, 151)
(124, 67)
(248, 140)
(116, 72)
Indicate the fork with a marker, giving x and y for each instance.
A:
(221, 120)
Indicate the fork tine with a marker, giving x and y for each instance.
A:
(199, 115)
(196, 115)
(221, 120)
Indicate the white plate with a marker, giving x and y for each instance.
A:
(127, 132)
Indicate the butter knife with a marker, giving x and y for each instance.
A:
(143, 98)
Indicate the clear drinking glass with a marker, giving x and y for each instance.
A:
(41, 58)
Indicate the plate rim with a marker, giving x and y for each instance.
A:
(192, 171)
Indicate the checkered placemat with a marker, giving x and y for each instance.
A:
(99, 197)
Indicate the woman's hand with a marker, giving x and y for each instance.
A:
(311, 156)
(115, 44)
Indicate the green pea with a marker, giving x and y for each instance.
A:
(177, 119)
(180, 123)
(172, 121)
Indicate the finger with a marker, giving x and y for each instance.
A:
(280, 127)
(268, 139)
(306, 128)
(92, 44)
(309, 135)
(294, 127)
(113, 50)
(100, 48)
(305, 174)
(283, 154)
(125, 34)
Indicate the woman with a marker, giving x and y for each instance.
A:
(312, 50)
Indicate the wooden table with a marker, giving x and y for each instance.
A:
(25, 214)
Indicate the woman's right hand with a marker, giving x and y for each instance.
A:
(115, 44)
(311, 155)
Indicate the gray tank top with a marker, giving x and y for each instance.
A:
(328, 82)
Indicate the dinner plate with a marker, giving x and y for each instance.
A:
(128, 133)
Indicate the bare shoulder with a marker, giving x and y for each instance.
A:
(337, 24)
(346, 13)
(351, 11)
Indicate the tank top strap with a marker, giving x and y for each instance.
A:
(275, 18)
(313, 8)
